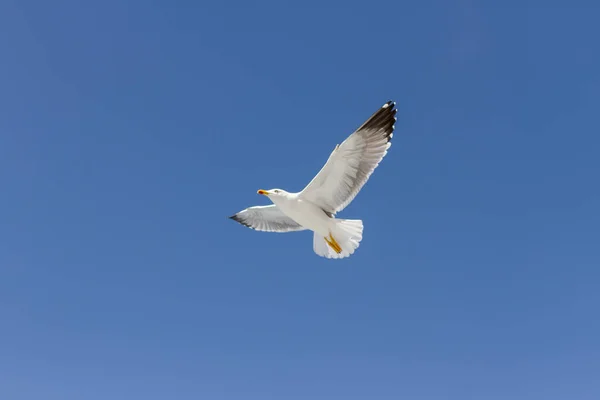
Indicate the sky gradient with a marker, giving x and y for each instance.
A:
(130, 131)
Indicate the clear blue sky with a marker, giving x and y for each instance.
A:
(130, 131)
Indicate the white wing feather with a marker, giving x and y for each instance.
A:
(351, 164)
(267, 218)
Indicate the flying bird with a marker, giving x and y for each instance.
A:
(314, 208)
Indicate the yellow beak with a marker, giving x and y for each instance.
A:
(263, 192)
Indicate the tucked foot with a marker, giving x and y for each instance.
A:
(333, 244)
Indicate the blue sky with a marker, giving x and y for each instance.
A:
(130, 131)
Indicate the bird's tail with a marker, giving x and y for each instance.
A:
(344, 238)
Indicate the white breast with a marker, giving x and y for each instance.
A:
(304, 213)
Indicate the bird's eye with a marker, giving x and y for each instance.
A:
(276, 191)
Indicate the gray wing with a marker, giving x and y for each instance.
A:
(351, 163)
(267, 219)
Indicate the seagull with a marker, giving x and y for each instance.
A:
(314, 208)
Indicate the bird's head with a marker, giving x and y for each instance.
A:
(273, 192)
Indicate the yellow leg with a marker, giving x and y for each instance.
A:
(333, 244)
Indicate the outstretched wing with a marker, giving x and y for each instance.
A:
(351, 164)
(267, 219)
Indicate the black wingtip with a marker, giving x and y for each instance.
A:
(383, 119)
(239, 220)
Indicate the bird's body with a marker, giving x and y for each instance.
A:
(303, 212)
(348, 168)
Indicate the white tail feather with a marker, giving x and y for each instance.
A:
(348, 234)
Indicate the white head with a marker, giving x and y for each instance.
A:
(271, 193)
